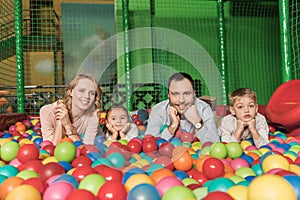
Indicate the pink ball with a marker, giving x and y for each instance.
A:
(58, 191)
(250, 148)
(165, 161)
(187, 137)
(238, 163)
(166, 183)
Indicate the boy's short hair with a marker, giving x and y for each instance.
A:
(240, 93)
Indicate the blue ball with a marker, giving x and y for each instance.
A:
(181, 174)
(66, 165)
(144, 191)
(294, 180)
(67, 178)
(131, 172)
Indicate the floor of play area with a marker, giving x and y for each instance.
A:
(146, 167)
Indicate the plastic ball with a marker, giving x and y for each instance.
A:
(81, 194)
(29, 193)
(132, 172)
(134, 146)
(238, 163)
(166, 149)
(178, 193)
(81, 161)
(117, 159)
(8, 185)
(92, 183)
(67, 178)
(213, 168)
(8, 171)
(159, 174)
(50, 169)
(35, 182)
(166, 183)
(28, 152)
(26, 174)
(9, 150)
(112, 190)
(260, 188)
(234, 150)
(143, 191)
(137, 179)
(275, 161)
(218, 150)
(244, 172)
(180, 174)
(182, 160)
(81, 172)
(65, 151)
(217, 195)
(220, 184)
(295, 183)
(58, 190)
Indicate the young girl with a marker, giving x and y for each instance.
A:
(244, 121)
(118, 125)
(77, 115)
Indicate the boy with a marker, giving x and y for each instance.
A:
(244, 122)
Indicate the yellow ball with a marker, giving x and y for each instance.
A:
(275, 161)
(137, 179)
(295, 168)
(24, 192)
(49, 160)
(245, 143)
(270, 187)
(238, 192)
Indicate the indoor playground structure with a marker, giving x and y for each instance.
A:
(132, 47)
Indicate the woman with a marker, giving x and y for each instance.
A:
(77, 115)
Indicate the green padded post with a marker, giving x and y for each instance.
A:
(19, 56)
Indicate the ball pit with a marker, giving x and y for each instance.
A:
(146, 167)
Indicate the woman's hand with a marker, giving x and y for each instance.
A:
(62, 114)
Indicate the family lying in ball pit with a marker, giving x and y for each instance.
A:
(77, 116)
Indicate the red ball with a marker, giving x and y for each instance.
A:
(81, 172)
(35, 182)
(272, 129)
(213, 168)
(134, 117)
(109, 173)
(166, 149)
(134, 146)
(50, 169)
(49, 148)
(217, 195)
(187, 137)
(81, 194)
(112, 190)
(138, 122)
(33, 165)
(198, 176)
(86, 149)
(28, 152)
(81, 161)
(149, 146)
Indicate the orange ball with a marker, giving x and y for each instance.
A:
(21, 128)
(183, 161)
(200, 161)
(8, 185)
(160, 174)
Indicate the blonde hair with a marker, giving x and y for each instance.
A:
(71, 86)
(241, 92)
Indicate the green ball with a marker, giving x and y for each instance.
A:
(65, 151)
(26, 174)
(218, 150)
(9, 151)
(244, 172)
(234, 150)
(92, 183)
(178, 193)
